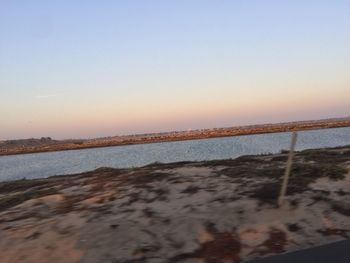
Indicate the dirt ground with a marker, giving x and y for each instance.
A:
(214, 211)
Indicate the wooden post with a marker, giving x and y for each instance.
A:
(288, 169)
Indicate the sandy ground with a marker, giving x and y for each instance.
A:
(216, 211)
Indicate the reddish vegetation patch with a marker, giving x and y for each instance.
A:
(225, 247)
(274, 244)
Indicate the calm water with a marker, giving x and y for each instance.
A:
(67, 162)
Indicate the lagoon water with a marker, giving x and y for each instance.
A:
(39, 165)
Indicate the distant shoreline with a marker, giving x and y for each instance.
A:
(15, 147)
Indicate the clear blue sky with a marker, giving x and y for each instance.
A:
(97, 68)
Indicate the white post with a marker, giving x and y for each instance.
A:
(288, 168)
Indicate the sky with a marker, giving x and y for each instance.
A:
(83, 69)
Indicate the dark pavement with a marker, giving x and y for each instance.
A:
(337, 252)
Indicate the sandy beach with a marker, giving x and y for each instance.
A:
(213, 211)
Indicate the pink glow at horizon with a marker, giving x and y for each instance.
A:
(100, 126)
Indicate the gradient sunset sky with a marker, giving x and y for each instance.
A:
(72, 69)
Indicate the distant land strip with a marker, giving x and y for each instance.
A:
(46, 144)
